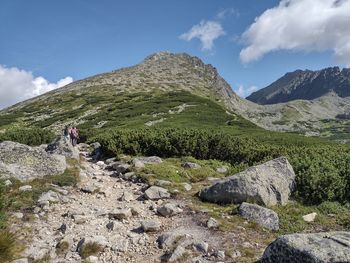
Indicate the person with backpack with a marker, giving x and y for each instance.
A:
(74, 136)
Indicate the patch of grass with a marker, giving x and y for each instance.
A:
(45, 259)
(90, 249)
(9, 247)
(62, 247)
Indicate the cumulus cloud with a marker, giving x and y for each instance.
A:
(206, 31)
(17, 85)
(302, 25)
(245, 92)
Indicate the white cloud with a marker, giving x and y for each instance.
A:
(227, 12)
(17, 85)
(206, 31)
(245, 92)
(302, 25)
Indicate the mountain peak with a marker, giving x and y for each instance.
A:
(305, 84)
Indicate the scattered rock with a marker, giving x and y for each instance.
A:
(18, 215)
(135, 211)
(7, 183)
(189, 165)
(187, 186)
(169, 239)
(150, 225)
(212, 223)
(310, 217)
(162, 183)
(120, 214)
(62, 228)
(25, 188)
(138, 164)
(21, 260)
(92, 259)
(220, 254)
(98, 240)
(262, 216)
(62, 146)
(110, 160)
(176, 255)
(222, 169)
(201, 246)
(89, 188)
(127, 197)
(148, 160)
(110, 226)
(48, 197)
(26, 163)
(168, 210)
(156, 193)
(315, 248)
(267, 184)
(121, 246)
(80, 219)
(121, 168)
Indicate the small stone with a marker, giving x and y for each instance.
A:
(167, 240)
(212, 223)
(121, 214)
(18, 215)
(156, 192)
(220, 254)
(162, 183)
(121, 168)
(25, 188)
(63, 228)
(7, 183)
(222, 169)
(92, 259)
(177, 254)
(189, 165)
(135, 211)
(80, 219)
(21, 260)
(121, 246)
(110, 226)
(48, 197)
(138, 164)
(150, 225)
(310, 217)
(201, 246)
(127, 197)
(89, 188)
(187, 186)
(169, 210)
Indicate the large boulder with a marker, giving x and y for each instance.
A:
(62, 146)
(260, 215)
(267, 184)
(26, 163)
(309, 248)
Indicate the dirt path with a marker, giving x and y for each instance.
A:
(103, 201)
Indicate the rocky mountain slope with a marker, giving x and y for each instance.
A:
(304, 85)
(176, 90)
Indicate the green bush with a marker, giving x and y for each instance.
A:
(322, 168)
(29, 136)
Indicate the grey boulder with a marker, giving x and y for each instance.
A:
(62, 146)
(309, 248)
(261, 215)
(156, 193)
(147, 160)
(26, 163)
(267, 184)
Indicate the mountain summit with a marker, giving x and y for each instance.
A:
(305, 85)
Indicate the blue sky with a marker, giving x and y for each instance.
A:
(56, 39)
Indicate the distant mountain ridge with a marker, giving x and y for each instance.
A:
(305, 85)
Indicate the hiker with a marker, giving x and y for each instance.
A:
(74, 136)
(66, 133)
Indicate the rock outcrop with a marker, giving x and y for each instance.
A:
(260, 215)
(26, 163)
(309, 248)
(267, 184)
(63, 147)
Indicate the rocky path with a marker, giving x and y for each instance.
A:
(124, 222)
